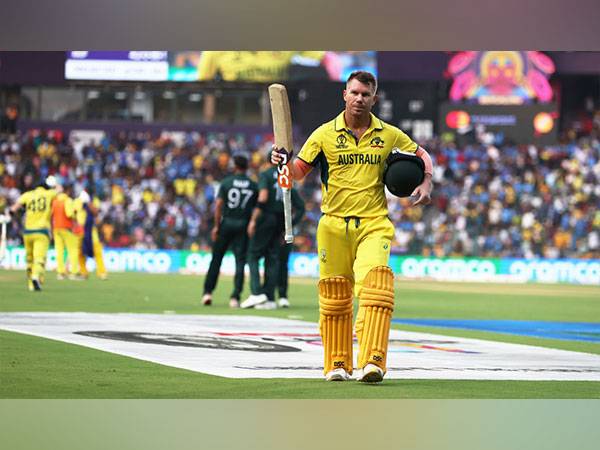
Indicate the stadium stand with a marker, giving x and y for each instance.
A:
(489, 200)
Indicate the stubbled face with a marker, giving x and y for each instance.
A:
(359, 97)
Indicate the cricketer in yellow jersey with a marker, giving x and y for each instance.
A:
(354, 234)
(64, 238)
(88, 239)
(36, 233)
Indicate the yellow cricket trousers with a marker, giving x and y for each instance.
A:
(66, 239)
(36, 250)
(350, 247)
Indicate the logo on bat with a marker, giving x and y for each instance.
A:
(283, 176)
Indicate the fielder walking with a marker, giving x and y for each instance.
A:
(354, 234)
(64, 239)
(265, 230)
(36, 235)
(234, 204)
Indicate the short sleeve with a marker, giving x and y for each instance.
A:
(312, 147)
(404, 143)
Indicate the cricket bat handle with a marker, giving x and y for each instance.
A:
(287, 214)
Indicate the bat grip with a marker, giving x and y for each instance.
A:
(287, 214)
(285, 156)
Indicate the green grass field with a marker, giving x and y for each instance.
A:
(32, 367)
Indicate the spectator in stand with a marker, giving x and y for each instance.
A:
(8, 121)
(519, 201)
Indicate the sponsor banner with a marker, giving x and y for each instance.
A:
(574, 271)
(116, 70)
(571, 271)
(447, 269)
(531, 123)
(117, 65)
(116, 260)
(262, 66)
(196, 263)
(568, 271)
(262, 347)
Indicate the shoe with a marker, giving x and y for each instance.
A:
(103, 277)
(371, 374)
(37, 286)
(338, 375)
(266, 305)
(61, 276)
(207, 299)
(234, 303)
(253, 300)
(30, 285)
(76, 277)
(284, 303)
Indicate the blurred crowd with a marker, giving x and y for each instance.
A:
(508, 201)
(488, 200)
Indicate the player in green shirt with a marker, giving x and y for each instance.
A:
(265, 230)
(234, 204)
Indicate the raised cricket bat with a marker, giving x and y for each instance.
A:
(282, 129)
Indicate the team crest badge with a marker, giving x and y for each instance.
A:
(377, 142)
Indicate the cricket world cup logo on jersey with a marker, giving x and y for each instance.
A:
(341, 141)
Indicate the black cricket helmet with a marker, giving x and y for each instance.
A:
(403, 173)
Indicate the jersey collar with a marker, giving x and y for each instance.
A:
(340, 123)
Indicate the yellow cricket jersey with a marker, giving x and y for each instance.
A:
(351, 170)
(38, 209)
(80, 214)
(249, 66)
